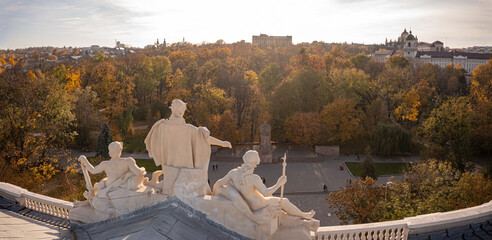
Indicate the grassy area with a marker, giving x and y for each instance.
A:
(135, 143)
(381, 168)
(149, 165)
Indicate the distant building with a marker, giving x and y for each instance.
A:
(468, 61)
(434, 53)
(277, 41)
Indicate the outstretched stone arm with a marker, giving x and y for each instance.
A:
(215, 141)
(256, 180)
(135, 169)
(94, 170)
(220, 183)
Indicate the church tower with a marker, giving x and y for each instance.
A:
(410, 47)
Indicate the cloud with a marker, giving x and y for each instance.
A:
(50, 22)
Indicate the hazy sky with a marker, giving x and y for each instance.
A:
(24, 23)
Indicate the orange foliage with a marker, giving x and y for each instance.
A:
(303, 128)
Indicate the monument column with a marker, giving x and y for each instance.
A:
(266, 150)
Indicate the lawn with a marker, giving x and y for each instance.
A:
(381, 168)
(135, 143)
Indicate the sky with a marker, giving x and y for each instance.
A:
(81, 23)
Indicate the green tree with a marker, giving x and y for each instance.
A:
(368, 169)
(347, 83)
(104, 138)
(270, 77)
(390, 139)
(449, 132)
(296, 93)
(360, 61)
(86, 113)
(398, 61)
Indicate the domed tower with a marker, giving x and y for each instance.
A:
(403, 35)
(410, 47)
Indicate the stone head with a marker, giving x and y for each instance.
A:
(251, 158)
(178, 108)
(115, 149)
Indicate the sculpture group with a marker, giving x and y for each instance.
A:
(239, 201)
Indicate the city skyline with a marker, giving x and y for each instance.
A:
(58, 23)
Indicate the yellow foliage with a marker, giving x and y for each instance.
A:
(409, 108)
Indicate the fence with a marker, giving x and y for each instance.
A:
(37, 202)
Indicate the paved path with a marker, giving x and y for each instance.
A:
(16, 226)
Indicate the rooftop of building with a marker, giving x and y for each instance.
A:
(434, 54)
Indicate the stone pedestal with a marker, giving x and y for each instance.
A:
(223, 211)
(266, 150)
(266, 156)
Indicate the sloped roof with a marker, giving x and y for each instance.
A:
(170, 219)
(474, 231)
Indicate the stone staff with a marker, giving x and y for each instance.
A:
(87, 178)
(284, 164)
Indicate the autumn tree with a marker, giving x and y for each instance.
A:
(409, 108)
(87, 114)
(360, 61)
(398, 61)
(449, 132)
(208, 100)
(427, 187)
(35, 123)
(270, 77)
(481, 105)
(341, 121)
(296, 93)
(304, 128)
(358, 202)
(347, 83)
(390, 85)
(223, 126)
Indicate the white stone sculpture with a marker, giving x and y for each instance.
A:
(124, 189)
(183, 151)
(259, 214)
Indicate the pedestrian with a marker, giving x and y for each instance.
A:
(216, 167)
(325, 188)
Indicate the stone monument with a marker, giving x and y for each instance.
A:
(183, 151)
(266, 150)
(239, 201)
(244, 204)
(123, 190)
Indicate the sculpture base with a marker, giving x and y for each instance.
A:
(266, 156)
(223, 211)
(121, 201)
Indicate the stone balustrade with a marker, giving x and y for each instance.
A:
(385, 230)
(401, 229)
(37, 202)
